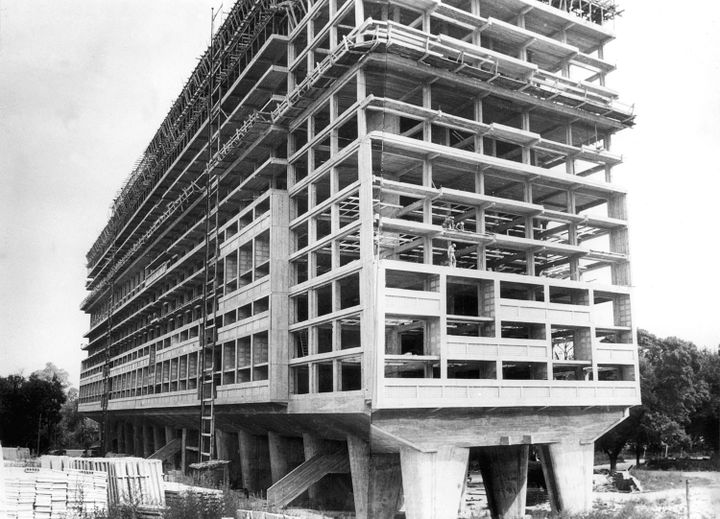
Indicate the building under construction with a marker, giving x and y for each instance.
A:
(371, 242)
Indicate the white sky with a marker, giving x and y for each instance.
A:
(84, 85)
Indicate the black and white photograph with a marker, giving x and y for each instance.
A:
(359, 259)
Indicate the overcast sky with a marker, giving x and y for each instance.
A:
(84, 85)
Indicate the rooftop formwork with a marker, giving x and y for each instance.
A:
(371, 240)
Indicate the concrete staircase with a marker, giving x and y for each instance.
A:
(303, 476)
(166, 451)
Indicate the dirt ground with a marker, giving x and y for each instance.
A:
(665, 493)
(663, 497)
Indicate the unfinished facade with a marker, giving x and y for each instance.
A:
(372, 240)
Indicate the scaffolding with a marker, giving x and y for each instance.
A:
(234, 40)
(596, 11)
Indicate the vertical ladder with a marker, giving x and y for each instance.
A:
(208, 336)
(107, 357)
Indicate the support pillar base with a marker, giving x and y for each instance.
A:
(568, 468)
(504, 473)
(433, 481)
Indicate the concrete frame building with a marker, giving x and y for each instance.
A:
(372, 240)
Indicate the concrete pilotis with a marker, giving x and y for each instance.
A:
(254, 457)
(433, 481)
(504, 473)
(137, 438)
(313, 445)
(158, 437)
(567, 467)
(376, 479)
(147, 435)
(279, 463)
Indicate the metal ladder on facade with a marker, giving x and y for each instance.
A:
(107, 358)
(218, 71)
(208, 336)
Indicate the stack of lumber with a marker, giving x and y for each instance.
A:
(55, 462)
(130, 480)
(87, 491)
(41, 493)
(15, 453)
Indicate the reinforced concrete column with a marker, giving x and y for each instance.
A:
(376, 479)
(254, 461)
(127, 433)
(279, 462)
(147, 439)
(433, 481)
(504, 472)
(158, 437)
(183, 450)
(221, 447)
(137, 438)
(120, 435)
(169, 436)
(227, 449)
(313, 445)
(568, 467)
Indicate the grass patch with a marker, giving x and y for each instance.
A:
(653, 480)
(189, 505)
(637, 509)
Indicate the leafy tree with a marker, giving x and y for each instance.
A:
(76, 431)
(672, 389)
(705, 422)
(51, 371)
(675, 383)
(30, 410)
(613, 442)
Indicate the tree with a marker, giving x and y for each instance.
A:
(613, 442)
(705, 422)
(51, 371)
(76, 431)
(673, 389)
(30, 410)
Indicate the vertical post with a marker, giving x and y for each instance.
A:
(254, 459)
(433, 481)
(183, 451)
(137, 438)
(147, 439)
(157, 438)
(567, 468)
(504, 474)
(279, 465)
(312, 445)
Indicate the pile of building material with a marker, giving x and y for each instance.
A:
(63, 486)
(15, 453)
(39, 493)
(130, 480)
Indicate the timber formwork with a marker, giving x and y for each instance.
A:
(370, 241)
